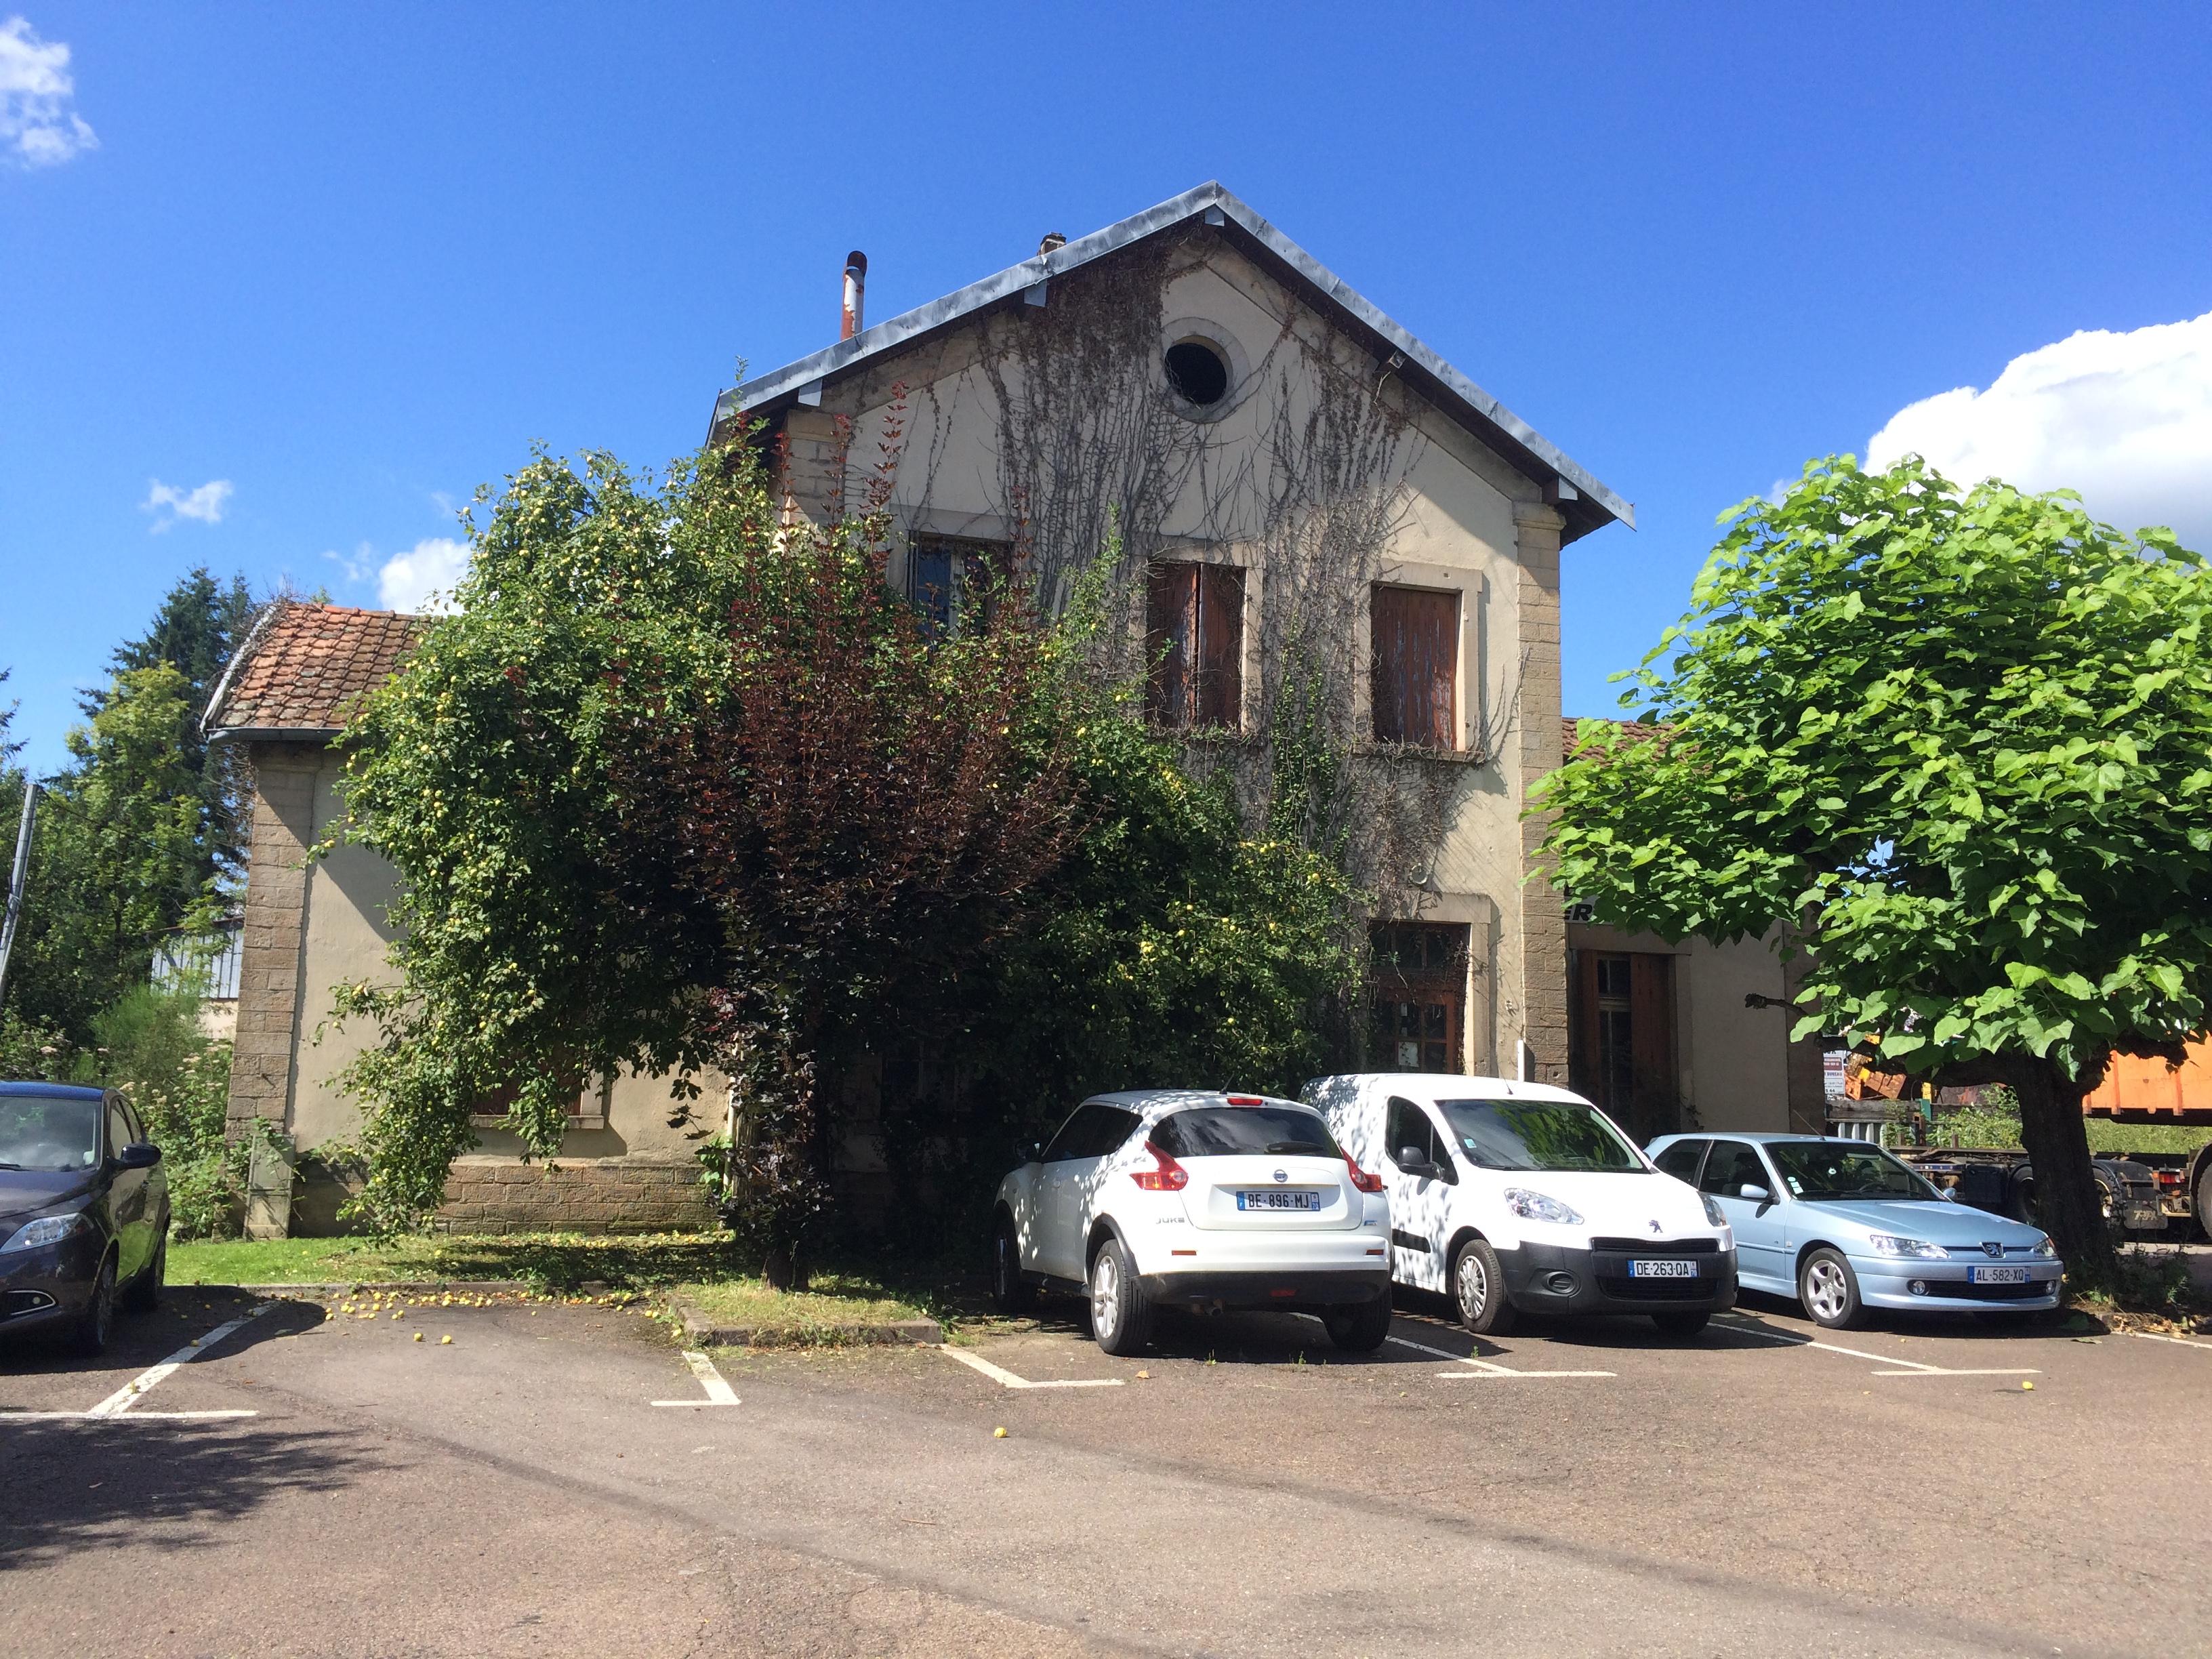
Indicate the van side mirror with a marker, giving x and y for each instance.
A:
(140, 1155)
(1032, 1151)
(1757, 1195)
(1414, 1161)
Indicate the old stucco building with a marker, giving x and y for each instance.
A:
(1309, 516)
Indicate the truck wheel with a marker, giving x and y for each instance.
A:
(1478, 1290)
(1121, 1318)
(2203, 1205)
(1010, 1292)
(2108, 1205)
(2023, 1203)
(1360, 1329)
(1830, 1290)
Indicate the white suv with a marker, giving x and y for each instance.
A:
(1194, 1199)
(1509, 1195)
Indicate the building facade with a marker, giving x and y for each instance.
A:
(1296, 512)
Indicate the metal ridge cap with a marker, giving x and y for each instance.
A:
(230, 669)
(949, 307)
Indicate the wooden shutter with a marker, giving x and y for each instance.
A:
(1218, 696)
(1171, 636)
(1415, 685)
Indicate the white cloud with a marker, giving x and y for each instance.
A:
(36, 121)
(168, 504)
(423, 578)
(2125, 419)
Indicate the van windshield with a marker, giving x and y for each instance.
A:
(1538, 1135)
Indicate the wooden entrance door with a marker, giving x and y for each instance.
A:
(1621, 1031)
(1417, 1007)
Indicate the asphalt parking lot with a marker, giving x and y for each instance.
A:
(560, 1477)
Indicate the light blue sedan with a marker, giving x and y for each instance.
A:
(1843, 1226)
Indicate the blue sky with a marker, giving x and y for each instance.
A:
(350, 262)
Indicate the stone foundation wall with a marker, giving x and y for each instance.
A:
(598, 1195)
(505, 1195)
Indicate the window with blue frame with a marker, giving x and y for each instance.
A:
(955, 585)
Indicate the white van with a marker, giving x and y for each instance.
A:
(1507, 1195)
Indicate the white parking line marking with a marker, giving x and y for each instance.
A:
(719, 1392)
(1501, 1375)
(1483, 1367)
(121, 1400)
(1006, 1379)
(1905, 1367)
(2178, 1341)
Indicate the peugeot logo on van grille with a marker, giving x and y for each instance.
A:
(1655, 1229)
(1282, 1175)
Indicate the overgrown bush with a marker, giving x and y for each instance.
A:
(153, 1051)
(31, 1053)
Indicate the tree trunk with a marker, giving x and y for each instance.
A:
(2066, 1202)
(783, 1270)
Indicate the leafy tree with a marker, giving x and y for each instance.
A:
(675, 788)
(1957, 743)
(865, 809)
(117, 859)
(540, 941)
(200, 626)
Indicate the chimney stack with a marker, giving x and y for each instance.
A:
(856, 282)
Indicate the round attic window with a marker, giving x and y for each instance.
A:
(1198, 372)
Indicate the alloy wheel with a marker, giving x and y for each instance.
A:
(1826, 1292)
(1105, 1296)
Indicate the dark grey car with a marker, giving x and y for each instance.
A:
(84, 1211)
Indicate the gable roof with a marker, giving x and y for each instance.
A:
(304, 670)
(1587, 504)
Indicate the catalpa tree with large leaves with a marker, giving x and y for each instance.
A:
(1955, 743)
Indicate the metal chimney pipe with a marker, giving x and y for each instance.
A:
(856, 282)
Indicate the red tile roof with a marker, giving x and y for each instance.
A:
(305, 668)
(1635, 730)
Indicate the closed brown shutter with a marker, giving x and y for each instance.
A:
(1416, 671)
(1170, 628)
(1219, 699)
(1194, 641)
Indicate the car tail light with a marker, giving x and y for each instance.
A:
(1365, 1181)
(1167, 1175)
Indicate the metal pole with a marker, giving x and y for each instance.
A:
(15, 882)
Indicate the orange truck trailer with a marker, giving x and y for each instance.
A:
(2136, 1091)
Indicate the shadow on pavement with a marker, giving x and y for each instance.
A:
(73, 1485)
(141, 1339)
